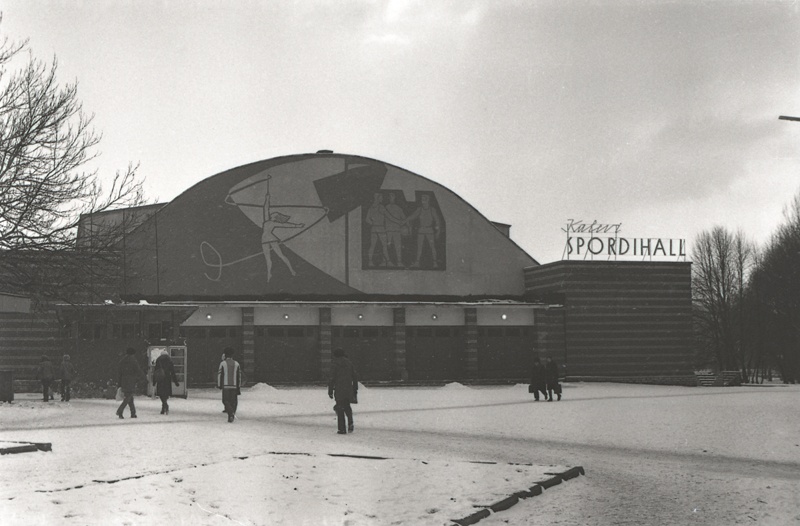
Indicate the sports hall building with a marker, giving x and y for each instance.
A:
(289, 258)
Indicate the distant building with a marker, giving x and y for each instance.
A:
(288, 258)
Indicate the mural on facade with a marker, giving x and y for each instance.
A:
(316, 226)
(396, 233)
(254, 199)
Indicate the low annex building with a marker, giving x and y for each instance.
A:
(288, 258)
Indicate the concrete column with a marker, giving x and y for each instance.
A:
(248, 344)
(400, 344)
(471, 342)
(325, 342)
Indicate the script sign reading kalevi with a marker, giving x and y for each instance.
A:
(602, 240)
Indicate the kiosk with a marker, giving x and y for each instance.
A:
(178, 355)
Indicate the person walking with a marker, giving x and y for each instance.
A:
(45, 374)
(163, 378)
(551, 377)
(343, 387)
(538, 381)
(129, 375)
(67, 374)
(229, 379)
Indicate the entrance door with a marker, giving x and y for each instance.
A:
(435, 353)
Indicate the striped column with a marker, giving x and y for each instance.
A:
(325, 341)
(471, 342)
(401, 372)
(248, 344)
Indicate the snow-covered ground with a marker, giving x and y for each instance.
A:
(418, 456)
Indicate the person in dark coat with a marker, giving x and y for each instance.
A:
(163, 378)
(551, 376)
(229, 379)
(45, 374)
(343, 387)
(538, 381)
(67, 374)
(130, 373)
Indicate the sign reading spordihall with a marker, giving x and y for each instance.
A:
(590, 240)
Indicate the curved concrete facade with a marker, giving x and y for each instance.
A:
(324, 225)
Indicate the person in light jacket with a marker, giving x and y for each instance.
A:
(343, 387)
(163, 378)
(130, 373)
(229, 379)
(67, 374)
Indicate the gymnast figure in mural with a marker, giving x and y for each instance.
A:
(376, 218)
(395, 218)
(253, 197)
(269, 241)
(428, 229)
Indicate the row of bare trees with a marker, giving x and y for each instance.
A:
(747, 301)
(46, 144)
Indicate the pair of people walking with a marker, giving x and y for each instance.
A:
(47, 374)
(130, 373)
(544, 379)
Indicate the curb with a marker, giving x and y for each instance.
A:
(514, 498)
(26, 447)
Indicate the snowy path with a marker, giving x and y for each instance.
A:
(653, 455)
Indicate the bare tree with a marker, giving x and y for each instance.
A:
(722, 262)
(46, 143)
(779, 293)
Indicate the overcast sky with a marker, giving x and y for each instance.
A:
(662, 116)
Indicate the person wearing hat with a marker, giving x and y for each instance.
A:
(343, 387)
(67, 374)
(163, 378)
(129, 375)
(229, 379)
(45, 374)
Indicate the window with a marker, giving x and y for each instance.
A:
(513, 332)
(442, 332)
(124, 331)
(295, 332)
(371, 332)
(494, 332)
(275, 332)
(218, 332)
(195, 333)
(424, 332)
(351, 332)
(153, 331)
(130, 330)
(99, 331)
